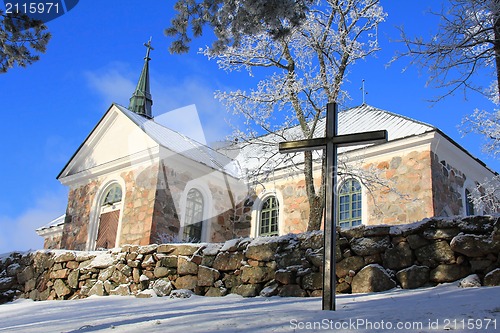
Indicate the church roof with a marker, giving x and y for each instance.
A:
(54, 223)
(368, 118)
(362, 118)
(183, 145)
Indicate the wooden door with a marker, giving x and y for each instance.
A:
(108, 227)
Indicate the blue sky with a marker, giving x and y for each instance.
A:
(95, 57)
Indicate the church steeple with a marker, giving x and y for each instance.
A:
(141, 100)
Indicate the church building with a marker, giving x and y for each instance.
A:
(135, 181)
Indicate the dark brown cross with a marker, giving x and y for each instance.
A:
(331, 142)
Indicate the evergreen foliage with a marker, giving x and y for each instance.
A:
(230, 20)
(22, 39)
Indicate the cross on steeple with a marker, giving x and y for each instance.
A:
(141, 101)
(331, 142)
(149, 47)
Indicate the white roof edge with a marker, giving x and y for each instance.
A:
(54, 223)
(374, 108)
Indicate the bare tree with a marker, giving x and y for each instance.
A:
(21, 39)
(486, 195)
(466, 45)
(466, 42)
(304, 69)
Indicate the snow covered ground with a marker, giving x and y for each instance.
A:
(442, 308)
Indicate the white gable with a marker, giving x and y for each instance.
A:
(116, 138)
(123, 136)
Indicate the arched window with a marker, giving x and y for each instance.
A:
(113, 195)
(350, 203)
(269, 215)
(469, 204)
(193, 221)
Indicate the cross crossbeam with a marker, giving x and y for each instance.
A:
(331, 142)
(340, 141)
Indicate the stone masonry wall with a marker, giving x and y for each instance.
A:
(52, 241)
(448, 187)
(368, 259)
(408, 175)
(75, 232)
(224, 222)
(138, 205)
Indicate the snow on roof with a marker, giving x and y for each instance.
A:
(183, 145)
(368, 118)
(358, 119)
(54, 223)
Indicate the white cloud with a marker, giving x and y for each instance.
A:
(18, 232)
(114, 84)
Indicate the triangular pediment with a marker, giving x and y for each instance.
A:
(115, 139)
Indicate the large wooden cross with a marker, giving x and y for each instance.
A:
(331, 142)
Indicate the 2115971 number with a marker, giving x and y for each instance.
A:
(469, 324)
(32, 8)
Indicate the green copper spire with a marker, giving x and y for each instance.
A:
(141, 100)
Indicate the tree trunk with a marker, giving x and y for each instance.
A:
(316, 200)
(316, 206)
(496, 46)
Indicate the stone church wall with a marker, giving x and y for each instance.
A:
(80, 200)
(408, 197)
(225, 222)
(52, 241)
(138, 205)
(295, 203)
(228, 222)
(368, 259)
(410, 200)
(166, 217)
(448, 187)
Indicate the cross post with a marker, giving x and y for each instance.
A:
(331, 142)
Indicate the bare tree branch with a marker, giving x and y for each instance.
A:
(467, 42)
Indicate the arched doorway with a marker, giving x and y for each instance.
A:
(109, 217)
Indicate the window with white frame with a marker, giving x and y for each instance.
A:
(269, 215)
(469, 204)
(113, 195)
(350, 203)
(193, 219)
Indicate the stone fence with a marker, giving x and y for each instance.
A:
(369, 259)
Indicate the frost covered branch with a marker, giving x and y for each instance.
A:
(466, 46)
